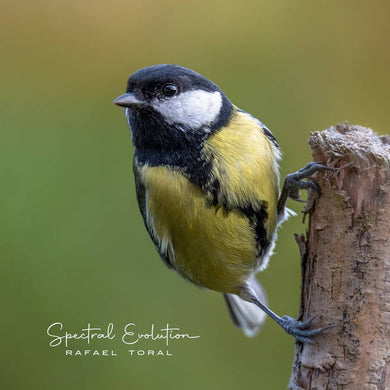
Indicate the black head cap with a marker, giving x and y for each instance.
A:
(169, 105)
(148, 83)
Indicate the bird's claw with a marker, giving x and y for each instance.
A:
(294, 181)
(300, 329)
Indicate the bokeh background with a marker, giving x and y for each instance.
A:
(72, 244)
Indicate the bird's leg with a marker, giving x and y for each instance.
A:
(298, 329)
(291, 186)
(294, 182)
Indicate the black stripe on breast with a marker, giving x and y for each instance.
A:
(257, 218)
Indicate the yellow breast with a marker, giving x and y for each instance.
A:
(208, 245)
(248, 163)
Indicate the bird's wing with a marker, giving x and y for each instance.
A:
(245, 158)
(141, 198)
(266, 131)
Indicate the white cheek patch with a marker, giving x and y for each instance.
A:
(192, 109)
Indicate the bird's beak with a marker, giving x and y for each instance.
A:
(127, 100)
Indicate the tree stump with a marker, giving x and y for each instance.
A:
(346, 264)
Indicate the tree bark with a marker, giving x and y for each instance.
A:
(346, 264)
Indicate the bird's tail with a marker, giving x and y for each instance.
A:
(247, 315)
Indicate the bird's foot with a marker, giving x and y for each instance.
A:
(294, 181)
(300, 329)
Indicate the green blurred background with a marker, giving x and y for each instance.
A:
(72, 244)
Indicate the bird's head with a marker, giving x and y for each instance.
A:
(175, 98)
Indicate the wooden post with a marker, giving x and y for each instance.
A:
(346, 265)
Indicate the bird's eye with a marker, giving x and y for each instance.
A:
(169, 90)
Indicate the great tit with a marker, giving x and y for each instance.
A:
(207, 184)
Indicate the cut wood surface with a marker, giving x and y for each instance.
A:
(346, 264)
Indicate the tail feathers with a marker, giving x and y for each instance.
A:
(247, 315)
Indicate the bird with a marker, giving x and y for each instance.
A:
(207, 184)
